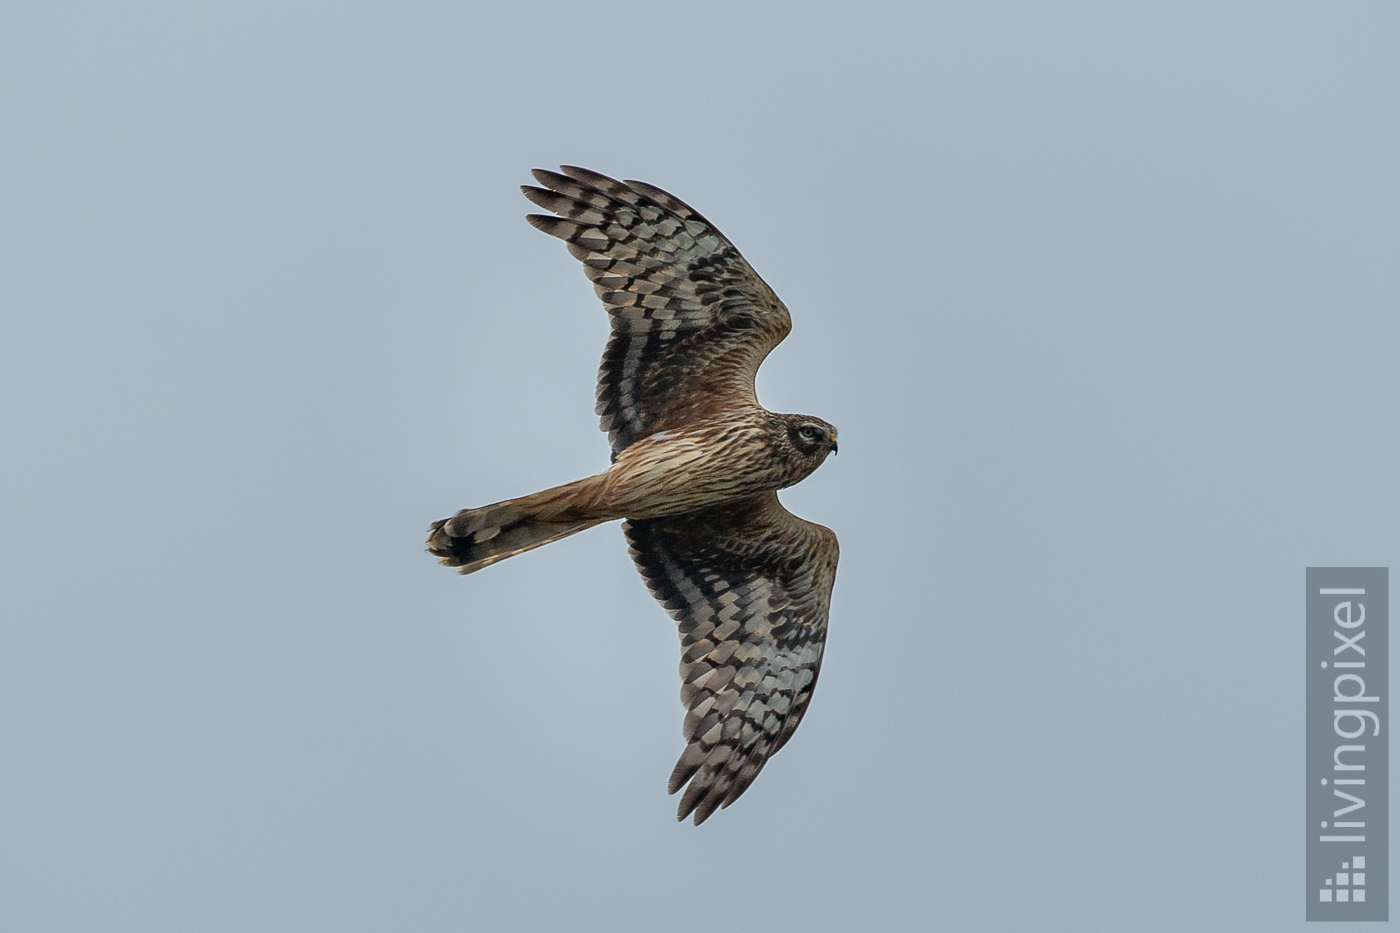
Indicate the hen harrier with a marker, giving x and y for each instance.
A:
(696, 463)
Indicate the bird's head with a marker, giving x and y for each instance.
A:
(810, 440)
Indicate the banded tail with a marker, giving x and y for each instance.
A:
(476, 538)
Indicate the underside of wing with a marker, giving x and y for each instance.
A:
(749, 585)
(691, 320)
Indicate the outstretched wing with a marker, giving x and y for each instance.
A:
(691, 320)
(749, 584)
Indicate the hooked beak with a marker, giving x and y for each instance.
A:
(833, 442)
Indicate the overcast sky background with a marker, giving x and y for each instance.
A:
(1102, 297)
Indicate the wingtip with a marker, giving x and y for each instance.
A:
(542, 197)
(698, 815)
(597, 181)
(579, 173)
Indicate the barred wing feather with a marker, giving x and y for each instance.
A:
(749, 585)
(691, 320)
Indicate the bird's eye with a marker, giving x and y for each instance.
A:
(809, 432)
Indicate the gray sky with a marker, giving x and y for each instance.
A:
(1101, 296)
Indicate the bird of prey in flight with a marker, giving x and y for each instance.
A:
(696, 465)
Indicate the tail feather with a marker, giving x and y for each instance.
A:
(476, 538)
